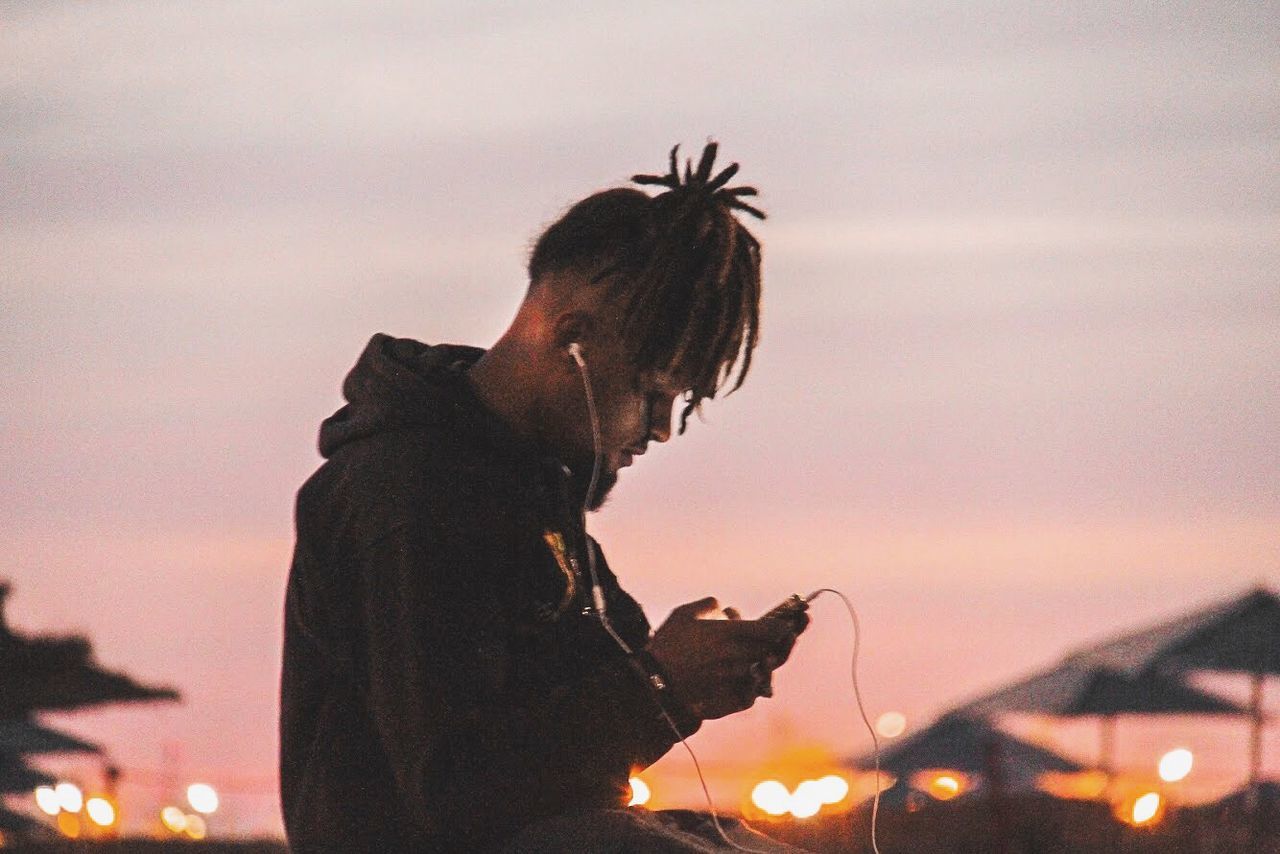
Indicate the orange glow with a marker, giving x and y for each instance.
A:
(942, 784)
(944, 787)
(1083, 786)
(196, 827)
(174, 819)
(69, 825)
(864, 784)
(640, 793)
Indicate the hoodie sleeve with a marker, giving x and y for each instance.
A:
(433, 638)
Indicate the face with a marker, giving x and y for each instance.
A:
(633, 408)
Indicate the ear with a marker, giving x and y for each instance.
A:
(571, 326)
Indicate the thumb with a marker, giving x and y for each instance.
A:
(694, 610)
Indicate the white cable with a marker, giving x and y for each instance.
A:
(857, 694)
(575, 350)
(597, 592)
(597, 596)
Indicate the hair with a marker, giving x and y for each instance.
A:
(686, 271)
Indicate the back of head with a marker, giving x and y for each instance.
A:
(684, 272)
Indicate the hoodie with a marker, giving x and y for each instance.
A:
(445, 682)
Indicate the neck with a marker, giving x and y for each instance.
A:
(503, 381)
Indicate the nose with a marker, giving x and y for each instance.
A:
(660, 418)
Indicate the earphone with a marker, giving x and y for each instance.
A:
(597, 592)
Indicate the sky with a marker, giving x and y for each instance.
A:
(1018, 386)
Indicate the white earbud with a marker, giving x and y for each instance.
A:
(575, 350)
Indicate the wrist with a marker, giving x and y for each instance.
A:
(663, 689)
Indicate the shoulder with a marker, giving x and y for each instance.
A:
(410, 476)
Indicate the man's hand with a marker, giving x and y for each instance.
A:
(714, 665)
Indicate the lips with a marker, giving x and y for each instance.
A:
(629, 454)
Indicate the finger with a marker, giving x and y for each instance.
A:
(732, 613)
(761, 680)
(780, 656)
(782, 651)
(784, 631)
(693, 610)
(765, 632)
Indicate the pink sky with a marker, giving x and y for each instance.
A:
(1018, 388)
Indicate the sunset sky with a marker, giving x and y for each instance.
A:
(1019, 386)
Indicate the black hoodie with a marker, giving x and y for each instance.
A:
(444, 682)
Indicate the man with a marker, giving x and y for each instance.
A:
(462, 671)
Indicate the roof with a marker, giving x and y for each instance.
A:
(1138, 672)
(1241, 633)
(16, 776)
(21, 737)
(1079, 687)
(59, 673)
(962, 743)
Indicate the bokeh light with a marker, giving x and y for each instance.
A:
(1146, 808)
(833, 789)
(944, 787)
(891, 724)
(101, 812)
(69, 825)
(70, 798)
(1175, 765)
(196, 827)
(772, 797)
(640, 793)
(47, 800)
(203, 798)
(174, 819)
(807, 799)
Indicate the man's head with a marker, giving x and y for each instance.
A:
(662, 296)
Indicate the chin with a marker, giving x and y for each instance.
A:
(608, 479)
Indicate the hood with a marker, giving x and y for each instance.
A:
(398, 383)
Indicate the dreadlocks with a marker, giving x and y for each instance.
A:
(687, 271)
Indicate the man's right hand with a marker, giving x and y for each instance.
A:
(708, 661)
